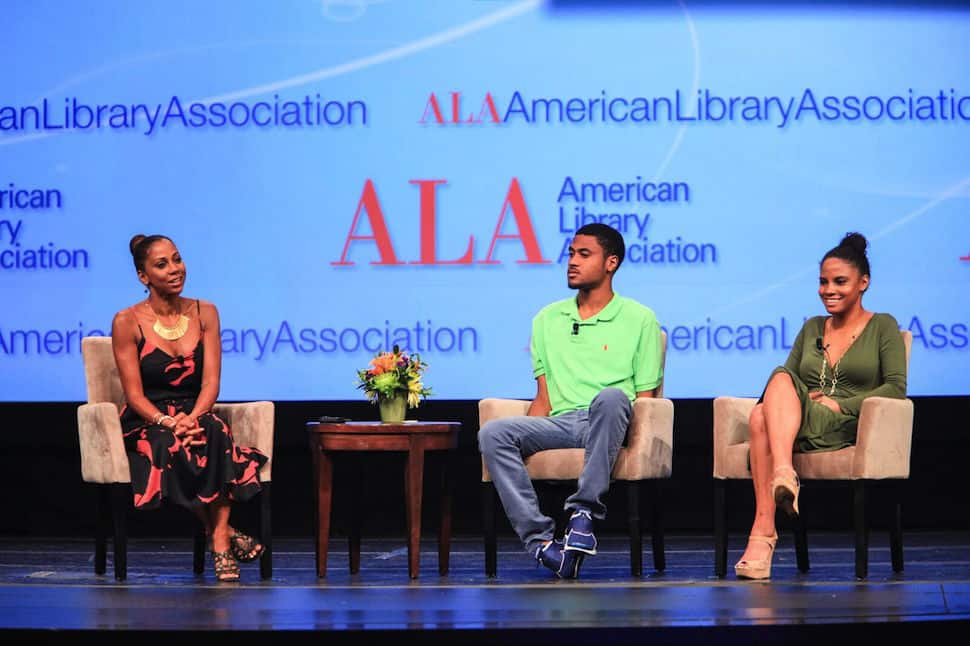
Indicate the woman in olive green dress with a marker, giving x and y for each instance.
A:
(812, 403)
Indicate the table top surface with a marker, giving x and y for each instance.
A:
(407, 426)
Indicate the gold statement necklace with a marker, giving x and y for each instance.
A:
(170, 333)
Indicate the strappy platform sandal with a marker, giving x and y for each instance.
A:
(225, 566)
(245, 548)
(785, 487)
(760, 569)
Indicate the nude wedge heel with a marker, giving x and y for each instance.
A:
(760, 569)
(785, 487)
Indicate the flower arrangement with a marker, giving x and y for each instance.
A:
(393, 374)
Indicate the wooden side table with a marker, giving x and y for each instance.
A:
(414, 438)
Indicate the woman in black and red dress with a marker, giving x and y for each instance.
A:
(169, 357)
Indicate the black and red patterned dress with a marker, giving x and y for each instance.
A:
(161, 468)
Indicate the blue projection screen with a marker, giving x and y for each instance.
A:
(342, 176)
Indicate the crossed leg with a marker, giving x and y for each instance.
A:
(774, 425)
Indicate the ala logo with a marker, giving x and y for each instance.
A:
(369, 208)
(448, 111)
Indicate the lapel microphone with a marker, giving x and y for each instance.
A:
(576, 330)
(818, 344)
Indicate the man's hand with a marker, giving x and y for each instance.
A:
(540, 406)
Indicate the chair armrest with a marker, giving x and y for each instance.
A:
(884, 439)
(730, 429)
(650, 441)
(103, 456)
(252, 424)
(493, 408)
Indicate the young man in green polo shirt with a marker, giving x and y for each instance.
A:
(591, 356)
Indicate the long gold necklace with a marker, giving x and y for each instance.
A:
(824, 349)
(170, 333)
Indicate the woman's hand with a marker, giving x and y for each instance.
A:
(826, 401)
(188, 431)
(165, 420)
(184, 421)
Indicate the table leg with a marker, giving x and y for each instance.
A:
(356, 512)
(324, 469)
(444, 531)
(413, 485)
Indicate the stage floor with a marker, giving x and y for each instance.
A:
(48, 589)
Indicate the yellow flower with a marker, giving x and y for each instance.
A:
(415, 390)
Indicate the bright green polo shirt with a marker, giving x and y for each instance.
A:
(619, 347)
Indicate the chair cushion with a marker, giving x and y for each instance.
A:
(556, 464)
(825, 465)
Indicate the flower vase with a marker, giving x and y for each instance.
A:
(392, 409)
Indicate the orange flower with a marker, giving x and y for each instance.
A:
(383, 363)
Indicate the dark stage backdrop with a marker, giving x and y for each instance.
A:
(44, 495)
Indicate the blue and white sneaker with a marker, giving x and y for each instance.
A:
(564, 564)
(579, 533)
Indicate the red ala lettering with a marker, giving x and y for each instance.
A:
(527, 236)
(427, 201)
(372, 206)
(435, 109)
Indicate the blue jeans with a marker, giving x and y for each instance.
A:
(506, 442)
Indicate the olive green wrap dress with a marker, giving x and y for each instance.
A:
(873, 366)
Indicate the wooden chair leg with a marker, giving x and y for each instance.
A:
(657, 525)
(861, 529)
(633, 527)
(801, 544)
(266, 531)
(896, 531)
(198, 549)
(488, 525)
(720, 528)
(102, 518)
(121, 500)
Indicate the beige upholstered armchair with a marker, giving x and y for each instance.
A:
(104, 462)
(881, 453)
(646, 459)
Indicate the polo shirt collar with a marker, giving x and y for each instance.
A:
(570, 308)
